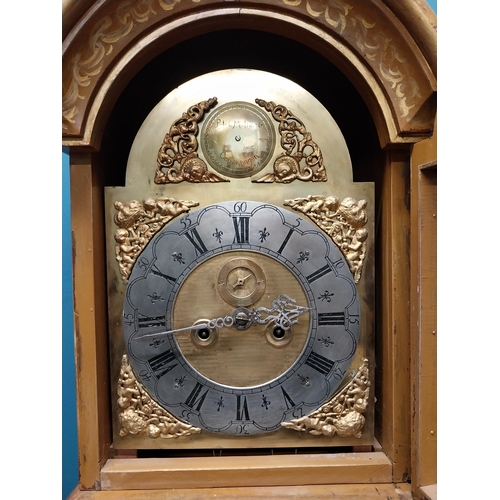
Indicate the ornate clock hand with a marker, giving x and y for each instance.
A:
(287, 313)
(214, 323)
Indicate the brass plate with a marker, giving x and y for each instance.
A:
(235, 86)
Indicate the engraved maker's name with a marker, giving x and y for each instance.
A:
(239, 124)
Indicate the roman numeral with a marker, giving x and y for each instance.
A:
(332, 318)
(195, 400)
(197, 242)
(320, 363)
(285, 241)
(241, 229)
(242, 408)
(156, 271)
(151, 322)
(319, 273)
(288, 400)
(159, 363)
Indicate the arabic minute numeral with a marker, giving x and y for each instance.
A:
(242, 429)
(144, 374)
(128, 319)
(338, 374)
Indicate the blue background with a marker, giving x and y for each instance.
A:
(69, 429)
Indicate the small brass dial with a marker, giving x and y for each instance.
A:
(238, 139)
(241, 282)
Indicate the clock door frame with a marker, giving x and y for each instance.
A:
(405, 129)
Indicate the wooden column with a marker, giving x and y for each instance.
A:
(393, 421)
(90, 303)
(424, 318)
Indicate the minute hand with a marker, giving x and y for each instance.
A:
(214, 323)
(287, 312)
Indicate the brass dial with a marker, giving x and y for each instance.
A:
(235, 369)
(238, 139)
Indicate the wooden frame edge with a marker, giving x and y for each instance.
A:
(245, 471)
(423, 316)
(374, 491)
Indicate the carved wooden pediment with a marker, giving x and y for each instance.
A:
(378, 43)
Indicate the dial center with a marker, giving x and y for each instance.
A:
(247, 353)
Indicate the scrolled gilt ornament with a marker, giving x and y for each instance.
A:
(178, 158)
(342, 221)
(295, 140)
(140, 416)
(342, 414)
(138, 222)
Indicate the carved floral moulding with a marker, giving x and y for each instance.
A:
(295, 140)
(140, 416)
(138, 222)
(178, 158)
(369, 30)
(343, 221)
(342, 414)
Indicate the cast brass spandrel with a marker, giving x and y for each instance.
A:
(178, 158)
(342, 414)
(140, 416)
(138, 222)
(298, 146)
(343, 221)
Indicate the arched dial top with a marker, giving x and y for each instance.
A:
(240, 316)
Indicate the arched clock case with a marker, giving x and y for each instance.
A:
(253, 230)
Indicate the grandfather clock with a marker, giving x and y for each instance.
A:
(245, 245)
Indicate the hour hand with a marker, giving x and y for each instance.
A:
(214, 323)
(241, 281)
(285, 312)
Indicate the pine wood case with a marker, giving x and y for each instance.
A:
(91, 169)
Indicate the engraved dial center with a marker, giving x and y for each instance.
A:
(228, 353)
